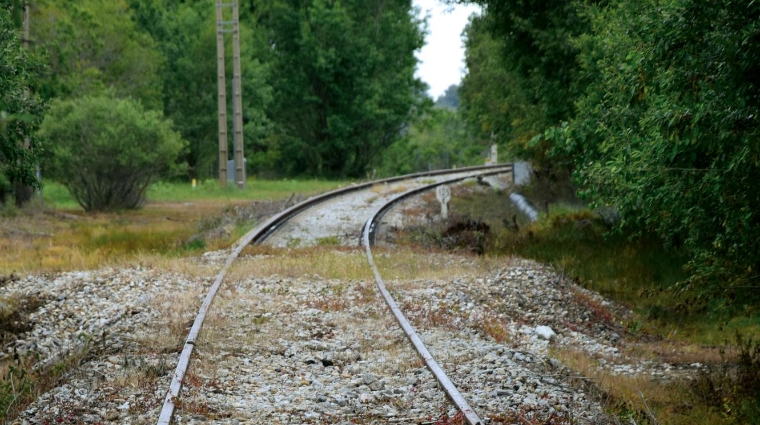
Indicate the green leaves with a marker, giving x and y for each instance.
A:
(93, 45)
(440, 139)
(107, 151)
(21, 108)
(677, 127)
(344, 82)
(653, 103)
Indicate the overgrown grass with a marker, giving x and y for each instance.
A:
(255, 189)
(638, 273)
(349, 264)
(54, 242)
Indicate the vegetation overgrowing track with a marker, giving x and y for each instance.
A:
(262, 232)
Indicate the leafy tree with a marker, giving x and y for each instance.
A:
(670, 131)
(494, 102)
(523, 77)
(439, 139)
(449, 99)
(93, 45)
(21, 109)
(186, 34)
(107, 151)
(344, 81)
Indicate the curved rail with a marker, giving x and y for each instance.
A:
(260, 233)
(369, 234)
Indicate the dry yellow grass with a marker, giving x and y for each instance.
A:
(351, 263)
(640, 396)
(53, 241)
(389, 188)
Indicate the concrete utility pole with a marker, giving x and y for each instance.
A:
(222, 95)
(238, 99)
(223, 27)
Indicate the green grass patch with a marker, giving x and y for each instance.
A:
(57, 196)
(328, 241)
(254, 189)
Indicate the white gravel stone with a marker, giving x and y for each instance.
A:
(546, 333)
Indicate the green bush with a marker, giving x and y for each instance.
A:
(668, 133)
(107, 151)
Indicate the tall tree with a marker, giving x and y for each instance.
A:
(439, 139)
(344, 81)
(523, 75)
(21, 109)
(449, 99)
(494, 100)
(94, 45)
(186, 35)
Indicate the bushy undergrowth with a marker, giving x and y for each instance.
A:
(732, 387)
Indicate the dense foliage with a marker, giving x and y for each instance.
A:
(21, 108)
(669, 132)
(107, 151)
(185, 33)
(523, 76)
(345, 81)
(327, 86)
(93, 46)
(653, 104)
(440, 139)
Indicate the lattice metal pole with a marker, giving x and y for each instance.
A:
(238, 99)
(222, 94)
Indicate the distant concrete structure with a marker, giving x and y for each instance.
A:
(231, 171)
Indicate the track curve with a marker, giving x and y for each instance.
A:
(265, 230)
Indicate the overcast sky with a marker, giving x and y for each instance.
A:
(442, 58)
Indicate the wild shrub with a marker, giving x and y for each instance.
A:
(107, 151)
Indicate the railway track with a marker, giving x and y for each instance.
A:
(292, 228)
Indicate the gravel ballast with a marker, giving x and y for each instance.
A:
(314, 350)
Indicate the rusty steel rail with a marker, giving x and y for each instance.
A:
(259, 234)
(369, 235)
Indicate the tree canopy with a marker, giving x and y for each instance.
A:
(669, 133)
(345, 86)
(327, 85)
(654, 107)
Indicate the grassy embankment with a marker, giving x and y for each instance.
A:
(640, 275)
